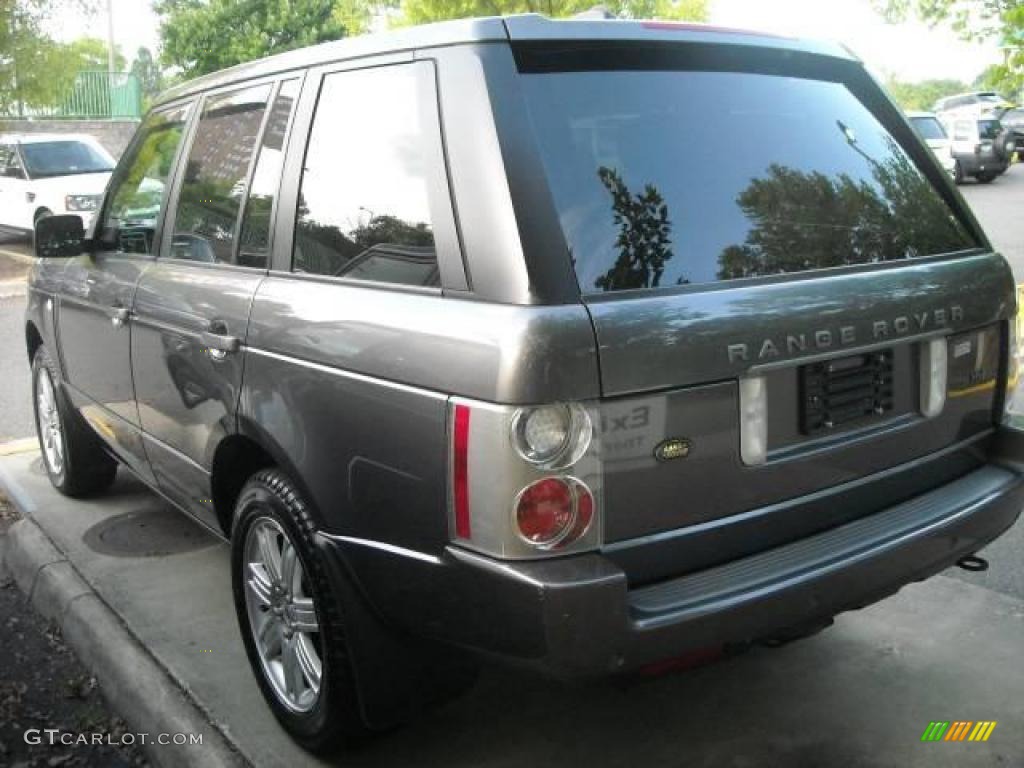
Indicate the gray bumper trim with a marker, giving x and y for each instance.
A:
(839, 547)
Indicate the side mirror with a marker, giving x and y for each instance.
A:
(60, 237)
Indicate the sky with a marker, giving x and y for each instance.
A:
(911, 51)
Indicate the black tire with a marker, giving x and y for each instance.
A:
(958, 173)
(85, 467)
(334, 720)
(986, 178)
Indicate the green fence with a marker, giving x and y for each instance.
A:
(90, 96)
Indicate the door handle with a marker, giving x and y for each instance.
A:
(119, 316)
(219, 345)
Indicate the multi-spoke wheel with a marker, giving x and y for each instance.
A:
(73, 455)
(282, 616)
(289, 618)
(51, 434)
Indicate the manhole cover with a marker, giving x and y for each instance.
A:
(148, 532)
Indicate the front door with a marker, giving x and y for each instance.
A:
(94, 311)
(192, 308)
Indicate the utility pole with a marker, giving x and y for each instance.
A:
(110, 38)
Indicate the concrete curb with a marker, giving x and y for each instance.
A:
(132, 680)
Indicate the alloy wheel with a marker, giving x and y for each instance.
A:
(50, 431)
(282, 615)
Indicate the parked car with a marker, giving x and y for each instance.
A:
(982, 148)
(494, 352)
(1013, 120)
(974, 104)
(42, 174)
(934, 135)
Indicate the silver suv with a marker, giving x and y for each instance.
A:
(477, 345)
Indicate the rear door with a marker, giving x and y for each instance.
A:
(94, 311)
(783, 310)
(192, 307)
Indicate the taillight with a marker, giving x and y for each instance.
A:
(554, 512)
(524, 481)
(460, 471)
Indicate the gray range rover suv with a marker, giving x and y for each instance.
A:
(497, 338)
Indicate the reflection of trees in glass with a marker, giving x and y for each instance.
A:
(643, 240)
(803, 220)
(141, 190)
(327, 250)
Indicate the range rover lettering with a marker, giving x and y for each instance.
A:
(476, 343)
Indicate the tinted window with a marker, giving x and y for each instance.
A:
(64, 158)
(928, 128)
(254, 240)
(363, 205)
(657, 181)
(216, 174)
(137, 187)
(989, 129)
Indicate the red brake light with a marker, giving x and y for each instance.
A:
(460, 471)
(554, 511)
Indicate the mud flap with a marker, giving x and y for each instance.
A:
(397, 675)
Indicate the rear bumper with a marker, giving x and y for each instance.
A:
(577, 617)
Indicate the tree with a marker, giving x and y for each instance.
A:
(151, 79)
(1001, 21)
(421, 11)
(897, 216)
(921, 96)
(644, 240)
(201, 36)
(30, 62)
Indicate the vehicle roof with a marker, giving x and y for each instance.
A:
(524, 27)
(922, 114)
(38, 138)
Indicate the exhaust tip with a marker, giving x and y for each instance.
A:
(973, 563)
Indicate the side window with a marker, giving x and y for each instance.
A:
(10, 166)
(363, 209)
(254, 240)
(137, 187)
(216, 174)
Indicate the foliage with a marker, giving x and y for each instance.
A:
(899, 215)
(1001, 21)
(921, 96)
(643, 241)
(34, 69)
(148, 72)
(201, 36)
(421, 11)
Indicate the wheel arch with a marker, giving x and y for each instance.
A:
(237, 458)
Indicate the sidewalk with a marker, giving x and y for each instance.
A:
(861, 693)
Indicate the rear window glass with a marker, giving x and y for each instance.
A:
(928, 128)
(666, 178)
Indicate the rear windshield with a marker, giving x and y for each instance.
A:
(928, 128)
(989, 129)
(64, 158)
(665, 178)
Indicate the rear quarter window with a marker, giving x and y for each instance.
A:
(665, 178)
